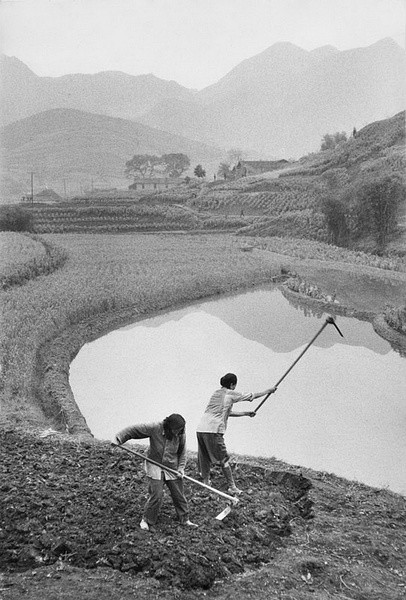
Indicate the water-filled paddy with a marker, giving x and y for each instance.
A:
(341, 409)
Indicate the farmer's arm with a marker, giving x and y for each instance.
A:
(238, 397)
(182, 454)
(231, 399)
(271, 390)
(134, 432)
(246, 413)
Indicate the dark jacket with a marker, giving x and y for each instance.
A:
(170, 453)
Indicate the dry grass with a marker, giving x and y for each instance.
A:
(24, 257)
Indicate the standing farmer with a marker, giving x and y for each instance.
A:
(213, 424)
(168, 447)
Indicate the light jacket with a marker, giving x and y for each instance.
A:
(215, 417)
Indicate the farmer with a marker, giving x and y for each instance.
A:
(168, 447)
(213, 424)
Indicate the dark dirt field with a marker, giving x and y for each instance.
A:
(69, 529)
(81, 503)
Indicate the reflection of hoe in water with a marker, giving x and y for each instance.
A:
(329, 320)
(231, 499)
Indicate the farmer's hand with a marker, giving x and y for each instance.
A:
(115, 441)
(181, 473)
(251, 414)
(272, 390)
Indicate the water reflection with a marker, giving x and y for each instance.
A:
(266, 316)
(341, 409)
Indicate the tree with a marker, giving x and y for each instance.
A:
(199, 171)
(224, 170)
(377, 207)
(234, 155)
(333, 209)
(330, 141)
(142, 165)
(333, 206)
(175, 164)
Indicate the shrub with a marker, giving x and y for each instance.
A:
(301, 286)
(14, 218)
(330, 141)
(396, 318)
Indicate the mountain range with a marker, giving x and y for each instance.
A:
(277, 104)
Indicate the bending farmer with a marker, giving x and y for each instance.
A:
(168, 447)
(213, 424)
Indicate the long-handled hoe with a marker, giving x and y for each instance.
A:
(329, 320)
(232, 500)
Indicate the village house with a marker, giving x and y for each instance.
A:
(155, 184)
(47, 196)
(256, 167)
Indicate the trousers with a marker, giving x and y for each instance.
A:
(211, 450)
(155, 498)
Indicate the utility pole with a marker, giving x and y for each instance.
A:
(32, 187)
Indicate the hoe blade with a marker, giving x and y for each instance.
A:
(223, 513)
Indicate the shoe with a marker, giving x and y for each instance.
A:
(144, 525)
(190, 524)
(234, 491)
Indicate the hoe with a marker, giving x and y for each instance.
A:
(329, 320)
(231, 499)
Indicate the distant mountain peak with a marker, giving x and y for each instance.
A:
(283, 49)
(324, 50)
(12, 64)
(386, 42)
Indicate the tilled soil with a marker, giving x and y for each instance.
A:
(80, 502)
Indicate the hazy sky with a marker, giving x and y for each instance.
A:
(194, 42)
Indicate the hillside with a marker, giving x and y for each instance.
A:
(286, 203)
(379, 145)
(71, 149)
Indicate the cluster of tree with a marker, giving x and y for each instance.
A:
(148, 165)
(225, 169)
(368, 208)
(331, 140)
